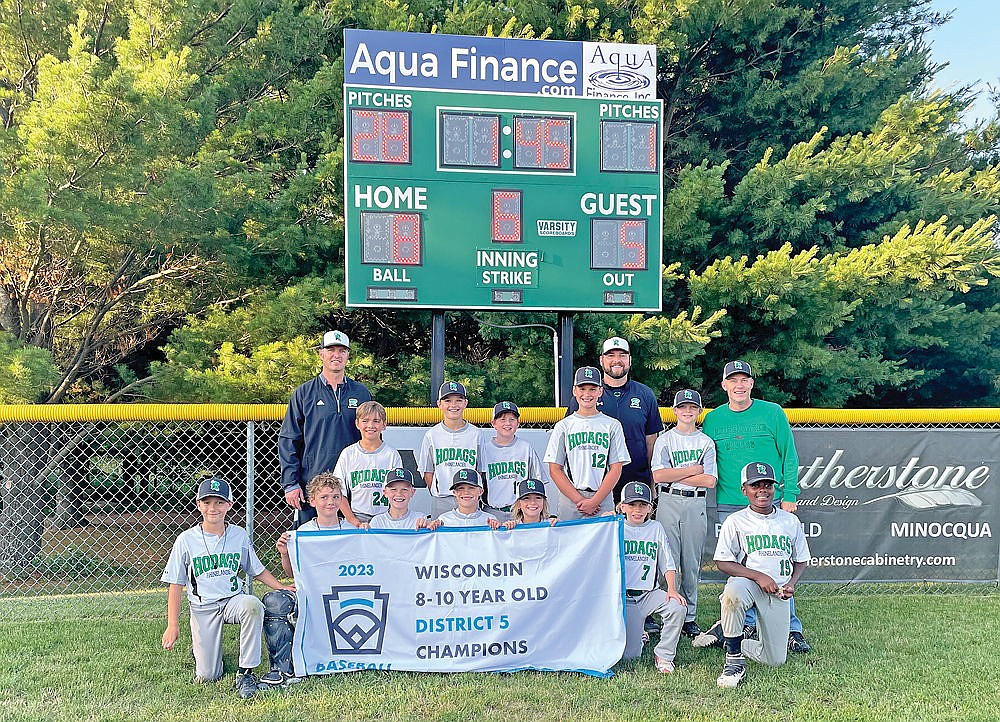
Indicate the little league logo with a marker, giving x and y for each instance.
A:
(634, 403)
(355, 617)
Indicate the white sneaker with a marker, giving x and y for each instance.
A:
(733, 672)
(663, 666)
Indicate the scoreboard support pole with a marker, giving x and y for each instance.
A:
(437, 354)
(565, 358)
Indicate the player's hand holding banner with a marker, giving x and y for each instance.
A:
(454, 600)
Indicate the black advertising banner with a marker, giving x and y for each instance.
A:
(876, 504)
(898, 504)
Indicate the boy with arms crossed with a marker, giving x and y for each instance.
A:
(506, 461)
(683, 465)
(448, 446)
(764, 552)
(591, 447)
(206, 560)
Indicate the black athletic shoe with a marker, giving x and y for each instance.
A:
(749, 632)
(797, 643)
(691, 629)
(246, 685)
(652, 626)
(712, 637)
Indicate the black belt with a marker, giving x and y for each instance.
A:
(685, 492)
(635, 592)
(589, 491)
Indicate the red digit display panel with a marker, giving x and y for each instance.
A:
(543, 143)
(380, 136)
(507, 217)
(391, 238)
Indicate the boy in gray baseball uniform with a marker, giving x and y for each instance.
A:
(647, 559)
(683, 465)
(447, 447)
(467, 488)
(586, 452)
(764, 552)
(399, 490)
(362, 467)
(206, 559)
(506, 461)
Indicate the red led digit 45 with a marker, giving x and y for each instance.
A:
(543, 143)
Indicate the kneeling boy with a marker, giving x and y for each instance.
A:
(206, 559)
(764, 552)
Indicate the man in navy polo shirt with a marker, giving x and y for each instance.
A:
(319, 423)
(634, 405)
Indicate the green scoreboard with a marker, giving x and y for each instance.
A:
(488, 173)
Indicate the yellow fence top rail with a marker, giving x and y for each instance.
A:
(28, 413)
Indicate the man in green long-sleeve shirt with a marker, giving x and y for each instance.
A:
(750, 430)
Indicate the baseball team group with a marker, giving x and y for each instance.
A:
(338, 473)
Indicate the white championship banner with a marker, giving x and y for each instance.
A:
(457, 600)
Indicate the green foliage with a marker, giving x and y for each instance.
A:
(176, 170)
(76, 563)
(26, 372)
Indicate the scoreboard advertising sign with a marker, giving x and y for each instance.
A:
(495, 173)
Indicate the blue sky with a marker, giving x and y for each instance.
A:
(968, 43)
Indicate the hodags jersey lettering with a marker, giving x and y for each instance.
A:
(504, 466)
(647, 555)
(362, 476)
(445, 452)
(767, 543)
(457, 518)
(587, 446)
(208, 564)
(674, 450)
(384, 521)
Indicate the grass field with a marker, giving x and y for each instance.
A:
(874, 658)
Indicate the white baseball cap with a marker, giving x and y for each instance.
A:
(335, 338)
(615, 343)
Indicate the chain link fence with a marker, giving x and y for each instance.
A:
(89, 509)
